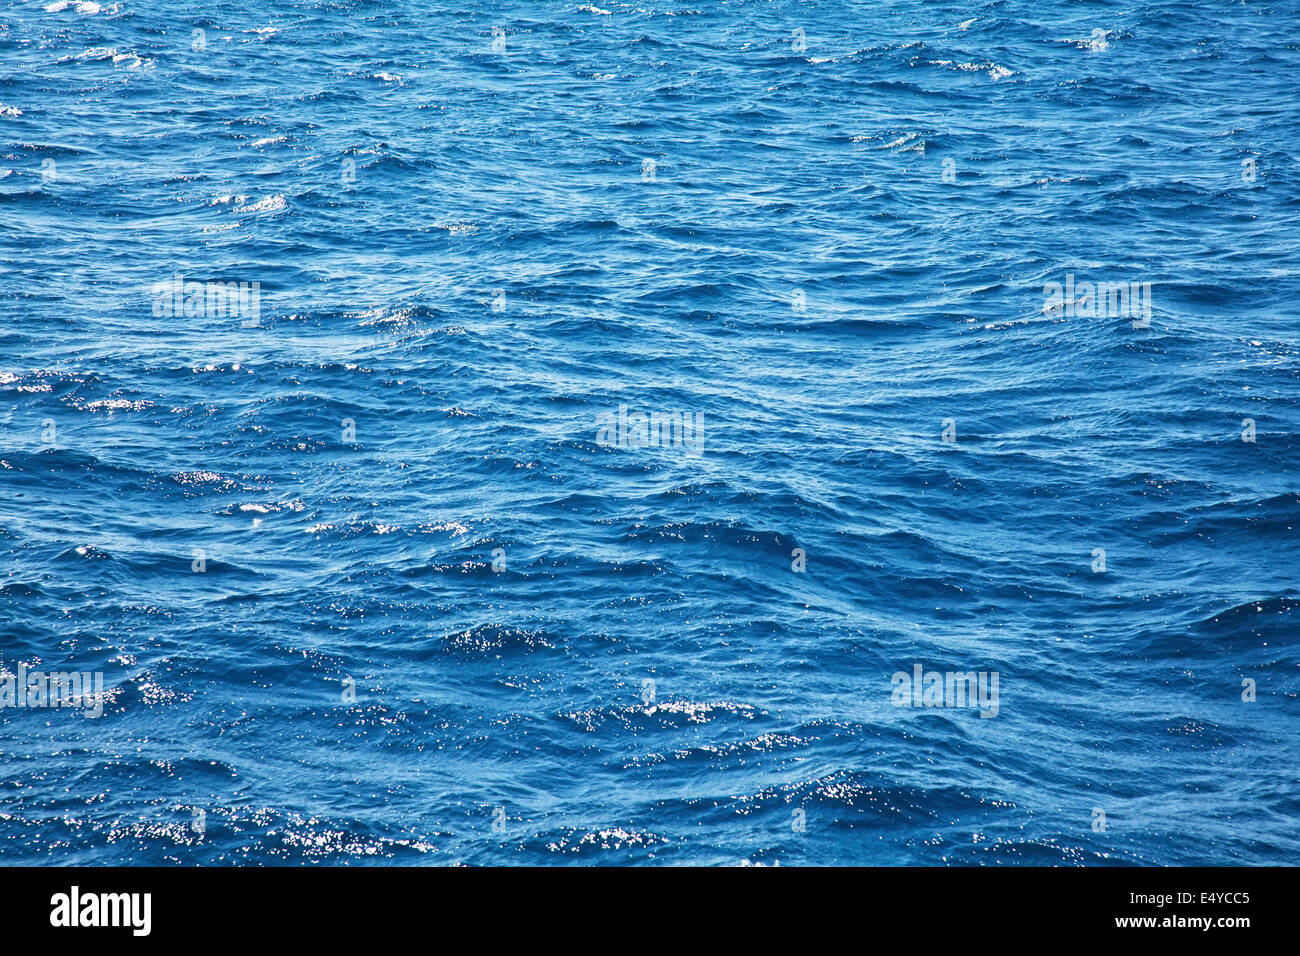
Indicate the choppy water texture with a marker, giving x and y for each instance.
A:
(1114, 142)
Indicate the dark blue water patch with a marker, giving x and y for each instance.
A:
(363, 582)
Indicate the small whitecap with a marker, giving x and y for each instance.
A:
(87, 8)
(92, 53)
(1098, 41)
(118, 405)
(268, 204)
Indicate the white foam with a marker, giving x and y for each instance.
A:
(269, 204)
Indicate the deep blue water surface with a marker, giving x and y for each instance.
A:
(842, 240)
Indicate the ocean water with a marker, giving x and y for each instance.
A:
(375, 565)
